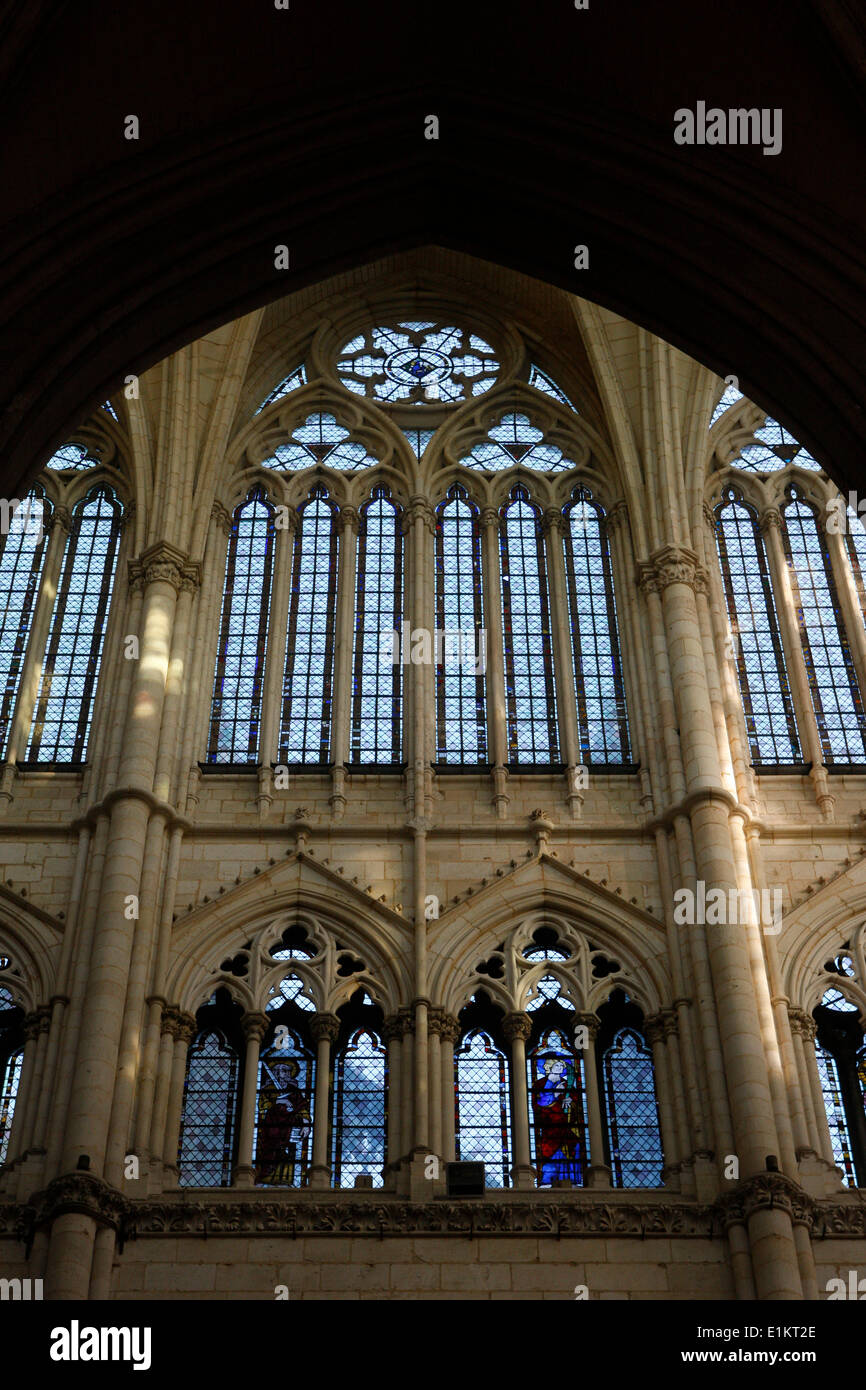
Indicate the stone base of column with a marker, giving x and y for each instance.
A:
(523, 1177)
(244, 1176)
(707, 1185)
(599, 1175)
(320, 1176)
(420, 1176)
(671, 1178)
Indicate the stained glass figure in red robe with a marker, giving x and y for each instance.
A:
(557, 1113)
(283, 1109)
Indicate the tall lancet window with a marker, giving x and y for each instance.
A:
(461, 718)
(283, 1142)
(73, 654)
(530, 695)
(840, 1055)
(236, 710)
(832, 680)
(11, 1058)
(378, 682)
(558, 1141)
(481, 1092)
(306, 719)
(360, 1094)
(855, 543)
(601, 708)
(24, 541)
(207, 1147)
(632, 1132)
(756, 643)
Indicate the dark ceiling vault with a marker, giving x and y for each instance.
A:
(306, 127)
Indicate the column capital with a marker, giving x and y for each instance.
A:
(255, 1025)
(617, 518)
(347, 520)
(770, 519)
(517, 1025)
(181, 1026)
(59, 516)
(324, 1026)
(673, 564)
(221, 516)
(655, 1029)
(164, 563)
(591, 1022)
(419, 510)
(552, 521)
(443, 1024)
(488, 516)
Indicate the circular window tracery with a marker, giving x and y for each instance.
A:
(418, 362)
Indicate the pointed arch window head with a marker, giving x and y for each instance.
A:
(73, 458)
(289, 383)
(837, 1119)
(319, 440)
(25, 543)
(360, 1079)
(483, 1106)
(632, 1112)
(730, 396)
(461, 714)
(240, 664)
(282, 1142)
(840, 1055)
(557, 1101)
(771, 723)
(516, 440)
(542, 382)
(378, 671)
(305, 730)
(206, 1147)
(599, 687)
(548, 990)
(836, 695)
(417, 362)
(11, 1061)
(73, 652)
(530, 693)
(774, 448)
(291, 989)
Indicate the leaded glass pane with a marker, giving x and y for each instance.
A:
(320, 439)
(530, 695)
(207, 1131)
(632, 1114)
(542, 382)
(516, 440)
(557, 1105)
(378, 683)
(775, 448)
(461, 714)
(729, 397)
(599, 690)
(240, 663)
(832, 680)
(288, 383)
(418, 362)
(282, 1141)
(418, 439)
(21, 563)
(483, 1107)
(8, 1096)
(769, 709)
(360, 1078)
(837, 1120)
(855, 542)
(73, 653)
(72, 456)
(306, 711)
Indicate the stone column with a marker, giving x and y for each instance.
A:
(22, 1120)
(449, 1033)
(183, 1028)
(325, 1029)
(344, 652)
(392, 1032)
(162, 1087)
(275, 665)
(517, 1028)
(497, 735)
(849, 602)
(435, 1061)
(598, 1173)
(808, 1030)
(407, 1024)
(656, 1034)
(554, 525)
(255, 1026)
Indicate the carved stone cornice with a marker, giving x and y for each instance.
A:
(325, 1026)
(517, 1025)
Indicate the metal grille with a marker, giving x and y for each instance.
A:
(599, 689)
(319, 440)
(832, 679)
(483, 1107)
(207, 1132)
(529, 685)
(837, 1120)
(240, 664)
(73, 654)
(757, 645)
(775, 449)
(21, 564)
(461, 715)
(307, 686)
(632, 1112)
(282, 1142)
(378, 676)
(557, 1102)
(360, 1081)
(516, 440)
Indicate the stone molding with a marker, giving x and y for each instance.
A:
(325, 1026)
(164, 563)
(517, 1025)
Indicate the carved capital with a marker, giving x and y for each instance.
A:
(489, 516)
(617, 517)
(655, 1029)
(255, 1025)
(675, 564)
(221, 517)
(517, 1025)
(769, 520)
(347, 520)
(591, 1022)
(181, 1026)
(84, 1193)
(325, 1026)
(419, 510)
(164, 564)
(553, 522)
(61, 516)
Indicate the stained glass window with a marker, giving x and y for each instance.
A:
(632, 1113)
(240, 664)
(557, 1107)
(529, 683)
(837, 1120)
(307, 686)
(840, 1054)
(378, 676)
(72, 457)
(320, 439)
(730, 396)
(418, 362)
(855, 543)
(774, 448)
(418, 439)
(25, 542)
(11, 1059)
(599, 689)
(516, 440)
(289, 383)
(109, 409)
(461, 715)
(282, 1144)
(757, 645)
(206, 1151)
(832, 680)
(542, 382)
(483, 1106)
(359, 1109)
(73, 654)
